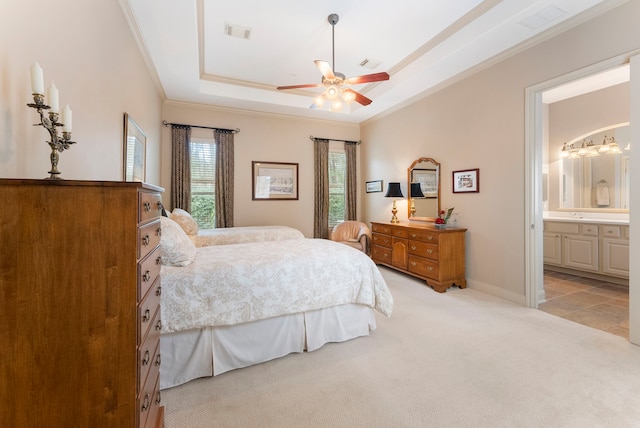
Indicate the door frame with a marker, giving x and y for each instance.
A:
(536, 132)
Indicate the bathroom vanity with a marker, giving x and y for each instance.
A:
(587, 247)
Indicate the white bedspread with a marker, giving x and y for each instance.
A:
(243, 234)
(232, 284)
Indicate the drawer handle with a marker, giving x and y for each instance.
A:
(413, 235)
(146, 240)
(158, 360)
(158, 260)
(413, 247)
(159, 291)
(429, 238)
(413, 264)
(147, 207)
(146, 276)
(145, 360)
(159, 206)
(429, 267)
(146, 315)
(159, 325)
(158, 398)
(146, 403)
(159, 231)
(429, 251)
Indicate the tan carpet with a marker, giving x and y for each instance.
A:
(458, 359)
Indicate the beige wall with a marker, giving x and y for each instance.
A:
(87, 48)
(262, 137)
(480, 123)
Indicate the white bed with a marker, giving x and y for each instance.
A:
(242, 304)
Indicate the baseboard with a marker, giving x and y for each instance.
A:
(497, 291)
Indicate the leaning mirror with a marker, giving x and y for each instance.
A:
(423, 185)
(135, 143)
(595, 171)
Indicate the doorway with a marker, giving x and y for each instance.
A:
(536, 129)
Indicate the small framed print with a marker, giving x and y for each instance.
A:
(274, 181)
(466, 181)
(135, 142)
(374, 186)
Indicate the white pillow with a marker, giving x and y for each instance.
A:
(185, 221)
(176, 249)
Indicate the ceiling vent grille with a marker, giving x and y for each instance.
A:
(235, 30)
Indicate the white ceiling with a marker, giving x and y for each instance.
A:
(422, 44)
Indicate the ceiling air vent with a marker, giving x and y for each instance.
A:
(235, 30)
(370, 63)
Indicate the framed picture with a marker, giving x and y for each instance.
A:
(135, 147)
(274, 181)
(374, 186)
(466, 181)
(428, 179)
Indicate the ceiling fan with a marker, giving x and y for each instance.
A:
(336, 84)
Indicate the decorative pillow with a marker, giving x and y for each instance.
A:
(176, 249)
(185, 221)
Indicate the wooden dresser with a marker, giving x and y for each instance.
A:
(422, 250)
(79, 304)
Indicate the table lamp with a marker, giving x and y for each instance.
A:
(394, 191)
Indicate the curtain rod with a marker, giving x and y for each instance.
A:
(312, 138)
(235, 131)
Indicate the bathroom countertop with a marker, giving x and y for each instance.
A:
(588, 220)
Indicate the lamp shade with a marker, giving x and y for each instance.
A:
(394, 191)
(416, 191)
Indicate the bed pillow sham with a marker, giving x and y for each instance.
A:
(176, 249)
(184, 219)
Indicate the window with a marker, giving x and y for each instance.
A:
(337, 185)
(203, 180)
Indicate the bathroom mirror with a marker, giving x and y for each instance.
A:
(596, 182)
(424, 195)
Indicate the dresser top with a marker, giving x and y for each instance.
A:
(422, 225)
(61, 182)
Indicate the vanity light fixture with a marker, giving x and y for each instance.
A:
(586, 148)
(394, 191)
(416, 192)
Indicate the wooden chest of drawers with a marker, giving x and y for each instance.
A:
(422, 250)
(79, 304)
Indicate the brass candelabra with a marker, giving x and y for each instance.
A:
(50, 122)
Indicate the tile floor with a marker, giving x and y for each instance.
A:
(591, 302)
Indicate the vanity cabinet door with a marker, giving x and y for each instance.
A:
(552, 248)
(580, 252)
(615, 257)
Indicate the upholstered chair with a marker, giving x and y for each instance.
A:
(356, 234)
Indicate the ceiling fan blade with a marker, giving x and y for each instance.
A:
(359, 97)
(325, 69)
(309, 85)
(375, 77)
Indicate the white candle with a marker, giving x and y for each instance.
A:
(66, 119)
(37, 80)
(53, 98)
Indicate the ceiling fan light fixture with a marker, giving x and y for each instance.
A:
(336, 105)
(332, 92)
(319, 100)
(348, 96)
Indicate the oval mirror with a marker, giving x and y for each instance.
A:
(423, 184)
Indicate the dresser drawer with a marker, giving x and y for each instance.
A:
(154, 420)
(148, 238)
(150, 206)
(146, 310)
(147, 353)
(148, 271)
(424, 267)
(400, 232)
(423, 235)
(381, 240)
(148, 393)
(382, 254)
(424, 249)
(381, 228)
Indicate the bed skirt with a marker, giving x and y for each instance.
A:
(211, 351)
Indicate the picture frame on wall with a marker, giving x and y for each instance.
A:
(135, 150)
(466, 181)
(274, 181)
(374, 186)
